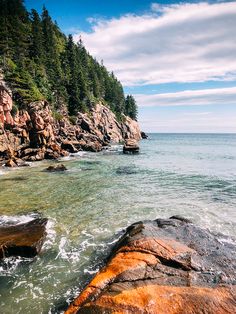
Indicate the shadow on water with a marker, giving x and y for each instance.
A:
(126, 170)
(14, 179)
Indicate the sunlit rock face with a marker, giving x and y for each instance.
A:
(164, 266)
(36, 133)
(102, 123)
(5, 106)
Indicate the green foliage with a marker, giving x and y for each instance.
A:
(73, 119)
(40, 62)
(14, 110)
(57, 116)
(131, 107)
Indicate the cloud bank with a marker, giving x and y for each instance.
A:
(215, 96)
(178, 43)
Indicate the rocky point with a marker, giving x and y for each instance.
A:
(37, 133)
(165, 266)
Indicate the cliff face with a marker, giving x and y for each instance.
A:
(37, 133)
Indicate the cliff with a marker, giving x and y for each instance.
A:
(37, 133)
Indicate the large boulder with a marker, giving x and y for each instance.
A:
(24, 240)
(130, 129)
(144, 136)
(130, 146)
(167, 267)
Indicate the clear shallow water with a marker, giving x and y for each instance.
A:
(193, 175)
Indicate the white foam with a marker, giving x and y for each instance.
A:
(51, 235)
(10, 220)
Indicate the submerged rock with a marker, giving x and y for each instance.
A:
(56, 168)
(164, 266)
(130, 146)
(24, 240)
(126, 170)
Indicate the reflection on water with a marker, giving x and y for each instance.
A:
(99, 195)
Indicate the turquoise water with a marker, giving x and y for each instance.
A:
(189, 174)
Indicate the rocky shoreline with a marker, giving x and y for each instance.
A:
(36, 132)
(164, 266)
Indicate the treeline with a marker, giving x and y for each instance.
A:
(40, 62)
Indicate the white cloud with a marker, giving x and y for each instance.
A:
(214, 124)
(216, 96)
(156, 7)
(183, 43)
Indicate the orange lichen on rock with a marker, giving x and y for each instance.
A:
(166, 300)
(161, 267)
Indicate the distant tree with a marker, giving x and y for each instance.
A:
(131, 109)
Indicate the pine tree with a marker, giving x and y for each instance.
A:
(131, 109)
(39, 61)
(72, 85)
(36, 46)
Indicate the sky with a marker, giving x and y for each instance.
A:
(178, 59)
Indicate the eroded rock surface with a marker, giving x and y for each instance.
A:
(36, 132)
(130, 146)
(164, 267)
(24, 240)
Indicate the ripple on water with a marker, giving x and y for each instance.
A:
(175, 174)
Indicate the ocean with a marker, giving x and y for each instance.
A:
(88, 206)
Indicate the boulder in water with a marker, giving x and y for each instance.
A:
(144, 136)
(130, 146)
(164, 266)
(57, 168)
(24, 240)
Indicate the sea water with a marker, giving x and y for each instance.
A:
(193, 175)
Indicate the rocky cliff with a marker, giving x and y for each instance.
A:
(36, 132)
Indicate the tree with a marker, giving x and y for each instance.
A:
(36, 45)
(131, 109)
(40, 62)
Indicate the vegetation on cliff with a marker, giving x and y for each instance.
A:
(40, 62)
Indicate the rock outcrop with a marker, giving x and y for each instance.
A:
(144, 136)
(58, 168)
(37, 133)
(165, 267)
(5, 106)
(130, 147)
(24, 240)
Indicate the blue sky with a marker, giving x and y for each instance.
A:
(177, 58)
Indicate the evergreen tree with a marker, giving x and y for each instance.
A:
(36, 46)
(39, 61)
(131, 109)
(72, 86)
